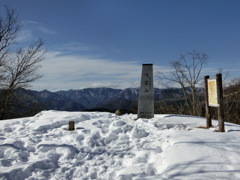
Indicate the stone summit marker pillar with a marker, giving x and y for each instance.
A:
(146, 94)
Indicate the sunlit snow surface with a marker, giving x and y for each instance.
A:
(106, 146)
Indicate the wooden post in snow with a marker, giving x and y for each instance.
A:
(71, 126)
(207, 107)
(220, 102)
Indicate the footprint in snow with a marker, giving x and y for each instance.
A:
(119, 123)
(110, 138)
(140, 133)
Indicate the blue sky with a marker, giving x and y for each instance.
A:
(95, 43)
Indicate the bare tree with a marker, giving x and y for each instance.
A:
(232, 101)
(19, 67)
(9, 27)
(186, 73)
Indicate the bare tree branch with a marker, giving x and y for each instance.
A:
(9, 27)
(186, 74)
(19, 68)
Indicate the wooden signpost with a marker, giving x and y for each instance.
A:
(214, 98)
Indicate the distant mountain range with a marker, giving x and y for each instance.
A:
(92, 98)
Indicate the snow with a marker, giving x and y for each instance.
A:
(106, 146)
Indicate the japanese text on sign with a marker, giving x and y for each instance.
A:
(147, 83)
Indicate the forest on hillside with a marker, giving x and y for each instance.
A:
(231, 104)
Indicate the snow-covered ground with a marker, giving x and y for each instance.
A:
(106, 146)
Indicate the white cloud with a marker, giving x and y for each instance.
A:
(25, 35)
(46, 30)
(63, 72)
(67, 71)
(71, 47)
(29, 29)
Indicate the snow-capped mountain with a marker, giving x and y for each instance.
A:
(97, 99)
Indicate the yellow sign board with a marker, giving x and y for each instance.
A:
(212, 93)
